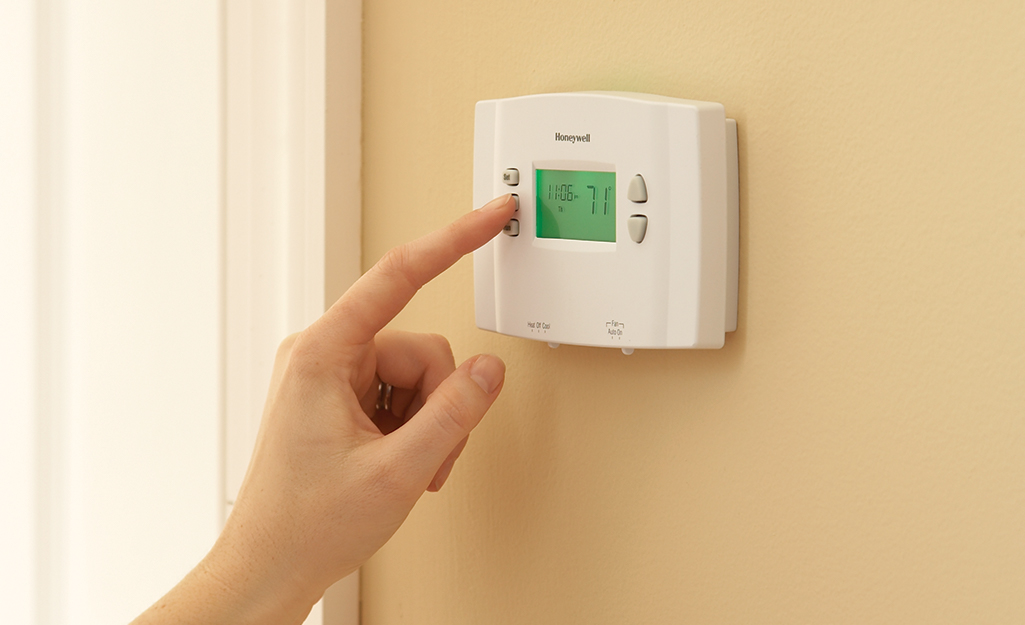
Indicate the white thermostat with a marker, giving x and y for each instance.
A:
(627, 228)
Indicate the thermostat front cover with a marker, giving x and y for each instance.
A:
(627, 231)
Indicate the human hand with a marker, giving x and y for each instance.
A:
(331, 477)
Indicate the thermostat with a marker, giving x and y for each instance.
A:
(626, 233)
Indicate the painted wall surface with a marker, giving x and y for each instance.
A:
(856, 452)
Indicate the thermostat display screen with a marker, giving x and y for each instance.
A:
(577, 205)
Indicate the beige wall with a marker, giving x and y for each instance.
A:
(856, 452)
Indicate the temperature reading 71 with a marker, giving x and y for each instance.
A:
(595, 199)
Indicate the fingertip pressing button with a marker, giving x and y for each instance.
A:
(512, 228)
(511, 177)
(638, 191)
(638, 226)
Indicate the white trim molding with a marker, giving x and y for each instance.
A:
(274, 213)
(20, 544)
(275, 155)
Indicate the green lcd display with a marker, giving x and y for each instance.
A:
(577, 205)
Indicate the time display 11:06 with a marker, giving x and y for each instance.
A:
(578, 205)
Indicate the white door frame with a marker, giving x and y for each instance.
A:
(276, 103)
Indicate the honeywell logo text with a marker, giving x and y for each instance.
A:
(573, 138)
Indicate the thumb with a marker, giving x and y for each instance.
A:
(448, 416)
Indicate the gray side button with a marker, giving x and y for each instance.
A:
(512, 228)
(638, 226)
(511, 177)
(638, 191)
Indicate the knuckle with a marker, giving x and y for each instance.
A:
(440, 344)
(454, 417)
(286, 346)
(396, 263)
(304, 355)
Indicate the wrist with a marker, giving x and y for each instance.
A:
(256, 579)
(221, 590)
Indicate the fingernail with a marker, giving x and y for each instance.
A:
(496, 203)
(442, 477)
(487, 371)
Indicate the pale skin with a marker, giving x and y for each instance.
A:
(332, 478)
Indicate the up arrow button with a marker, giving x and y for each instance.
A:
(637, 192)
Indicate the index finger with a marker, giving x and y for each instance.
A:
(388, 286)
